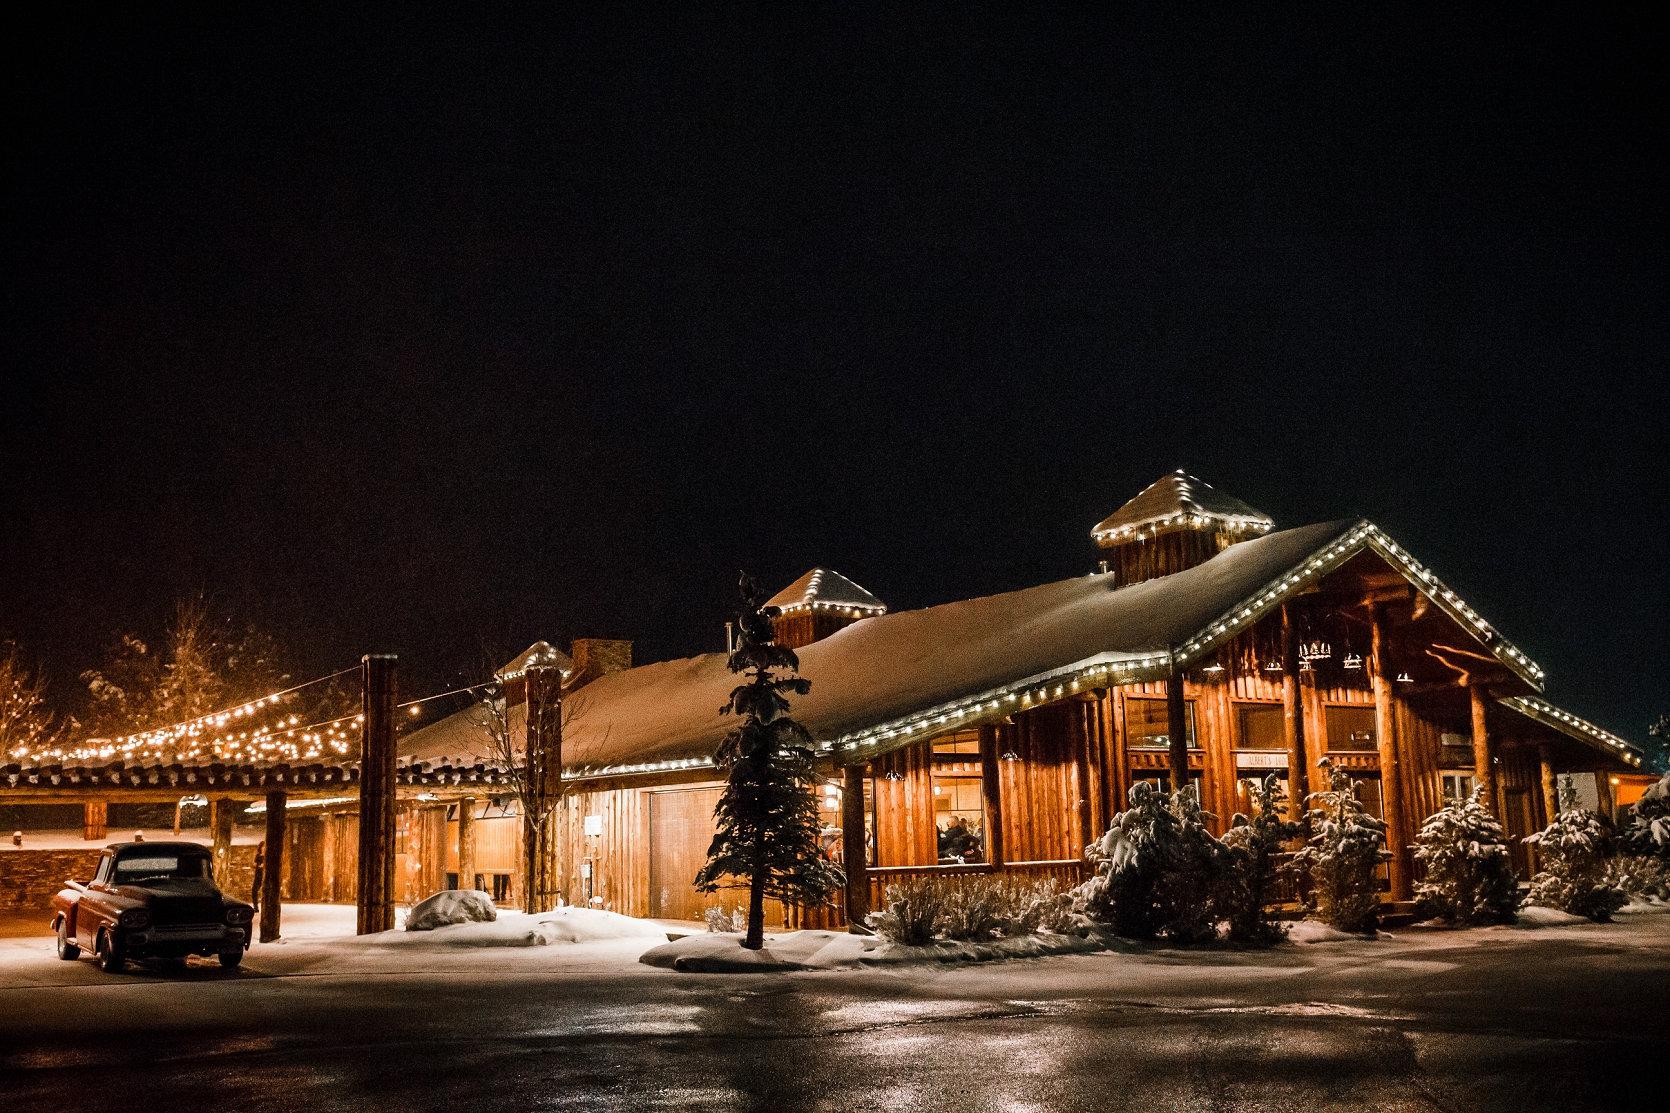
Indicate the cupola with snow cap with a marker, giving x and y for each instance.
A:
(818, 604)
(1179, 521)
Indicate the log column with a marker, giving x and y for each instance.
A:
(220, 832)
(542, 880)
(1484, 772)
(466, 843)
(1385, 738)
(95, 820)
(853, 855)
(376, 834)
(1293, 722)
(272, 884)
(991, 793)
(1177, 728)
(1550, 791)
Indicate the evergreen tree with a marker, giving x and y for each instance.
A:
(1575, 850)
(1469, 873)
(1156, 869)
(1342, 855)
(1254, 866)
(768, 815)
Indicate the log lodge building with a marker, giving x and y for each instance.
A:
(994, 734)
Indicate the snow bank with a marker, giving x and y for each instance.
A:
(723, 953)
(1315, 931)
(452, 906)
(1536, 916)
(518, 929)
(1643, 906)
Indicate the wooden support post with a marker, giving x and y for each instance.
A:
(1550, 791)
(1484, 773)
(1385, 738)
(376, 842)
(1177, 730)
(220, 831)
(272, 885)
(466, 843)
(543, 756)
(991, 792)
(95, 819)
(1293, 722)
(853, 856)
(1081, 770)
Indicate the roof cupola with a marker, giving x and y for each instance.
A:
(818, 604)
(1178, 522)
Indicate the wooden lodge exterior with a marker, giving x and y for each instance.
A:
(991, 734)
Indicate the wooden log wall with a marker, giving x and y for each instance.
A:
(904, 808)
(1134, 561)
(619, 856)
(1041, 790)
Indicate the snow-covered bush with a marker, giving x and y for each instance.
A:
(971, 908)
(913, 910)
(1341, 856)
(1034, 906)
(1469, 874)
(1156, 869)
(1253, 866)
(451, 906)
(718, 920)
(1640, 875)
(1575, 849)
(1647, 834)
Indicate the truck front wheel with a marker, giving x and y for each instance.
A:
(111, 959)
(67, 951)
(229, 959)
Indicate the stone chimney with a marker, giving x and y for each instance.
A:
(595, 657)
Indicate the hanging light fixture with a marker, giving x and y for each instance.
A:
(1352, 661)
(1404, 678)
(893, 775)
(1008, 755)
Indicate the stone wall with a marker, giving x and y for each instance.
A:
(29, 878)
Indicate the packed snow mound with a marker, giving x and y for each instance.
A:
(452, 906)
(518, 929)
(1315, 931)
(723, 953)
(1536, 916)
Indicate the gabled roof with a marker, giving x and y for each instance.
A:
(822, 589)
(1179, 501)
(1573, 727)
(539, 653)
(896, 678)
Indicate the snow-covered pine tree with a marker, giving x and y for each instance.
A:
(1249, 882)
(1156, 868)
(1469, 873)
(1575, 851)
(1341, 856)
(768, 814)
(1647, 835)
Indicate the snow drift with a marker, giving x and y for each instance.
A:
(452, 906)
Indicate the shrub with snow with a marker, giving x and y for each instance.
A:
(1341, 856)
(451, 906)
(1647, 834)
(1575, 849)
(973, 908)
(1640, 875)
(912, 915)
(1469, 874)
(1156, 869)
(1253, 866)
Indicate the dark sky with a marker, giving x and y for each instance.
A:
(407, 334)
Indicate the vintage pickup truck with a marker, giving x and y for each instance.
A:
(151, 900)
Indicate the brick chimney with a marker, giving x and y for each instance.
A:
(595, 657)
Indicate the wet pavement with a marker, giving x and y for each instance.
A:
(1559, 1019)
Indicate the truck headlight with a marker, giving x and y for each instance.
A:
(239, 914)
(134, 918)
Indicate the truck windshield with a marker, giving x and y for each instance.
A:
(161, 865)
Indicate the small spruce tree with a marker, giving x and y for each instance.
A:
(1341, 856)
(1156, 870)
(1469, 873)
(1253, 847)
(768, 814)
(1575, 850)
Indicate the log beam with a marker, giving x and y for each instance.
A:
(272, 884)
(466, 843)
(1293, 722)
(1484, 773)
(1550, 790)
(1177, 730)
(95, 819)
(377, 797)
(853, 853)
(991, 792)
(1385, 738)
(220, 832)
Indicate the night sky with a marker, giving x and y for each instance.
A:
(421, 335)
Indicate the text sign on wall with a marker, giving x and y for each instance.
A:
(1276, 760)
(594, 825)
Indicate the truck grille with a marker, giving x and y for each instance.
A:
(166, 910)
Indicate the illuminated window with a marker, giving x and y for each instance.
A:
(1148, 724)
(1350, 728)
(960, 819)
(1261, 726)
(1457, 786)
(963, 742)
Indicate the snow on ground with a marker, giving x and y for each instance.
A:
(723, 953)
(70, 838)
(1536, 916)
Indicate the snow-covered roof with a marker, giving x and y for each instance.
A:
(539, 653)
(824, 590)
(896, 678)
(1533, 707)
(1179, 501)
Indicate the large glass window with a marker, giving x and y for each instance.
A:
(1457, 786)
(1162, 781)
(1148, 724)
(1350, 728)
(963, 742)
(1261, 726)
(960, 817)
